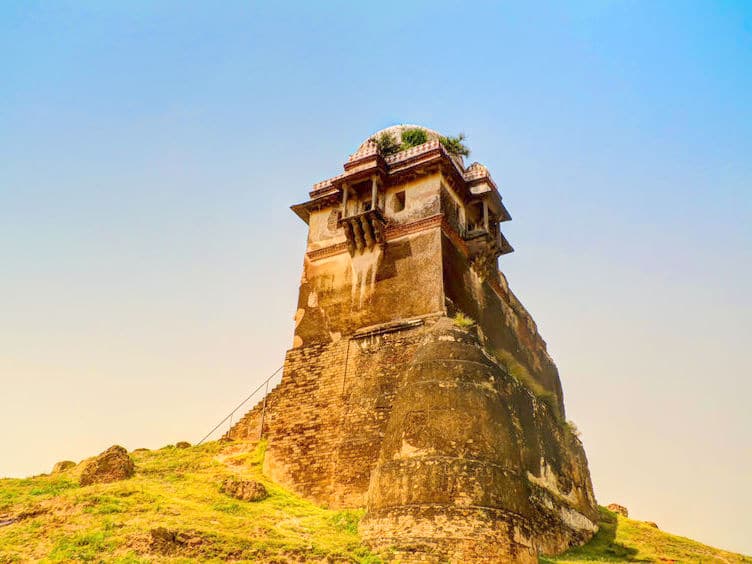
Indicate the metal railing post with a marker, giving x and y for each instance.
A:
(253, 393)
(263, 410)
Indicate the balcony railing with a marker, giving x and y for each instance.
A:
(363, 230)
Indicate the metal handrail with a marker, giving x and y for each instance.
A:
(241, 404)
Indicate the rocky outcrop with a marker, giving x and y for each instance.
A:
(62, 466)
(619, 509)
(246, 490)
(182, 444)
(474, 468)
(168, 542)
(112, 465)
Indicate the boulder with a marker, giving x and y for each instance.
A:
(619, 509)
(112, 465)
(62, 466)
(169, 542)
(246, 490)
(182, 444)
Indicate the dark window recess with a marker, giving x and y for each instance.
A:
(398, 203)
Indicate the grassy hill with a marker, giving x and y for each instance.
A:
(172, 511)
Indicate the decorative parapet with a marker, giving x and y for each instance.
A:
(322, 187)
(476, 171)
(368, 149)
(429, 146)
(411, 152)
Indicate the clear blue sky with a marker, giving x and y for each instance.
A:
(149, 263)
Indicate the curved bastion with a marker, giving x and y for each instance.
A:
(472, 466)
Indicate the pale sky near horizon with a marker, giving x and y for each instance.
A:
(149, 262)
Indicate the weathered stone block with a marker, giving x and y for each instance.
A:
(245, 490)
(112, 465)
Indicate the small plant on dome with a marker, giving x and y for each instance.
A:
(386, 144)
(455, 145)
(413, 136)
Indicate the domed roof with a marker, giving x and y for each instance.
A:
(396, 132)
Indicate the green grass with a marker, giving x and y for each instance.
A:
(625, 540)
(177, 489)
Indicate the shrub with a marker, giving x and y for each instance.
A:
(413, 137)
(462, 320)
(455, 145)
(387, 144)
(573, 429)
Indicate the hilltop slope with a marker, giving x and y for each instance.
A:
(56, 520)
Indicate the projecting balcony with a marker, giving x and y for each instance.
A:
(363, 230)
(482, 240)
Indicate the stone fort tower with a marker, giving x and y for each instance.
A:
(417, 385)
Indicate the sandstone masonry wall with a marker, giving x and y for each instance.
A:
(325, 421)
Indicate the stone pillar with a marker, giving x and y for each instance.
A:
(374, 192)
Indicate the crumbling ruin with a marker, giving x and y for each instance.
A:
(417, 385)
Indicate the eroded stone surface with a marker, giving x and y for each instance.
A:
(472, 469)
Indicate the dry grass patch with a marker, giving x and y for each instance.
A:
(177, 490)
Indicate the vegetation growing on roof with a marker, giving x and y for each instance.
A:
(455, 145)
(387, 144)
(413, 136)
